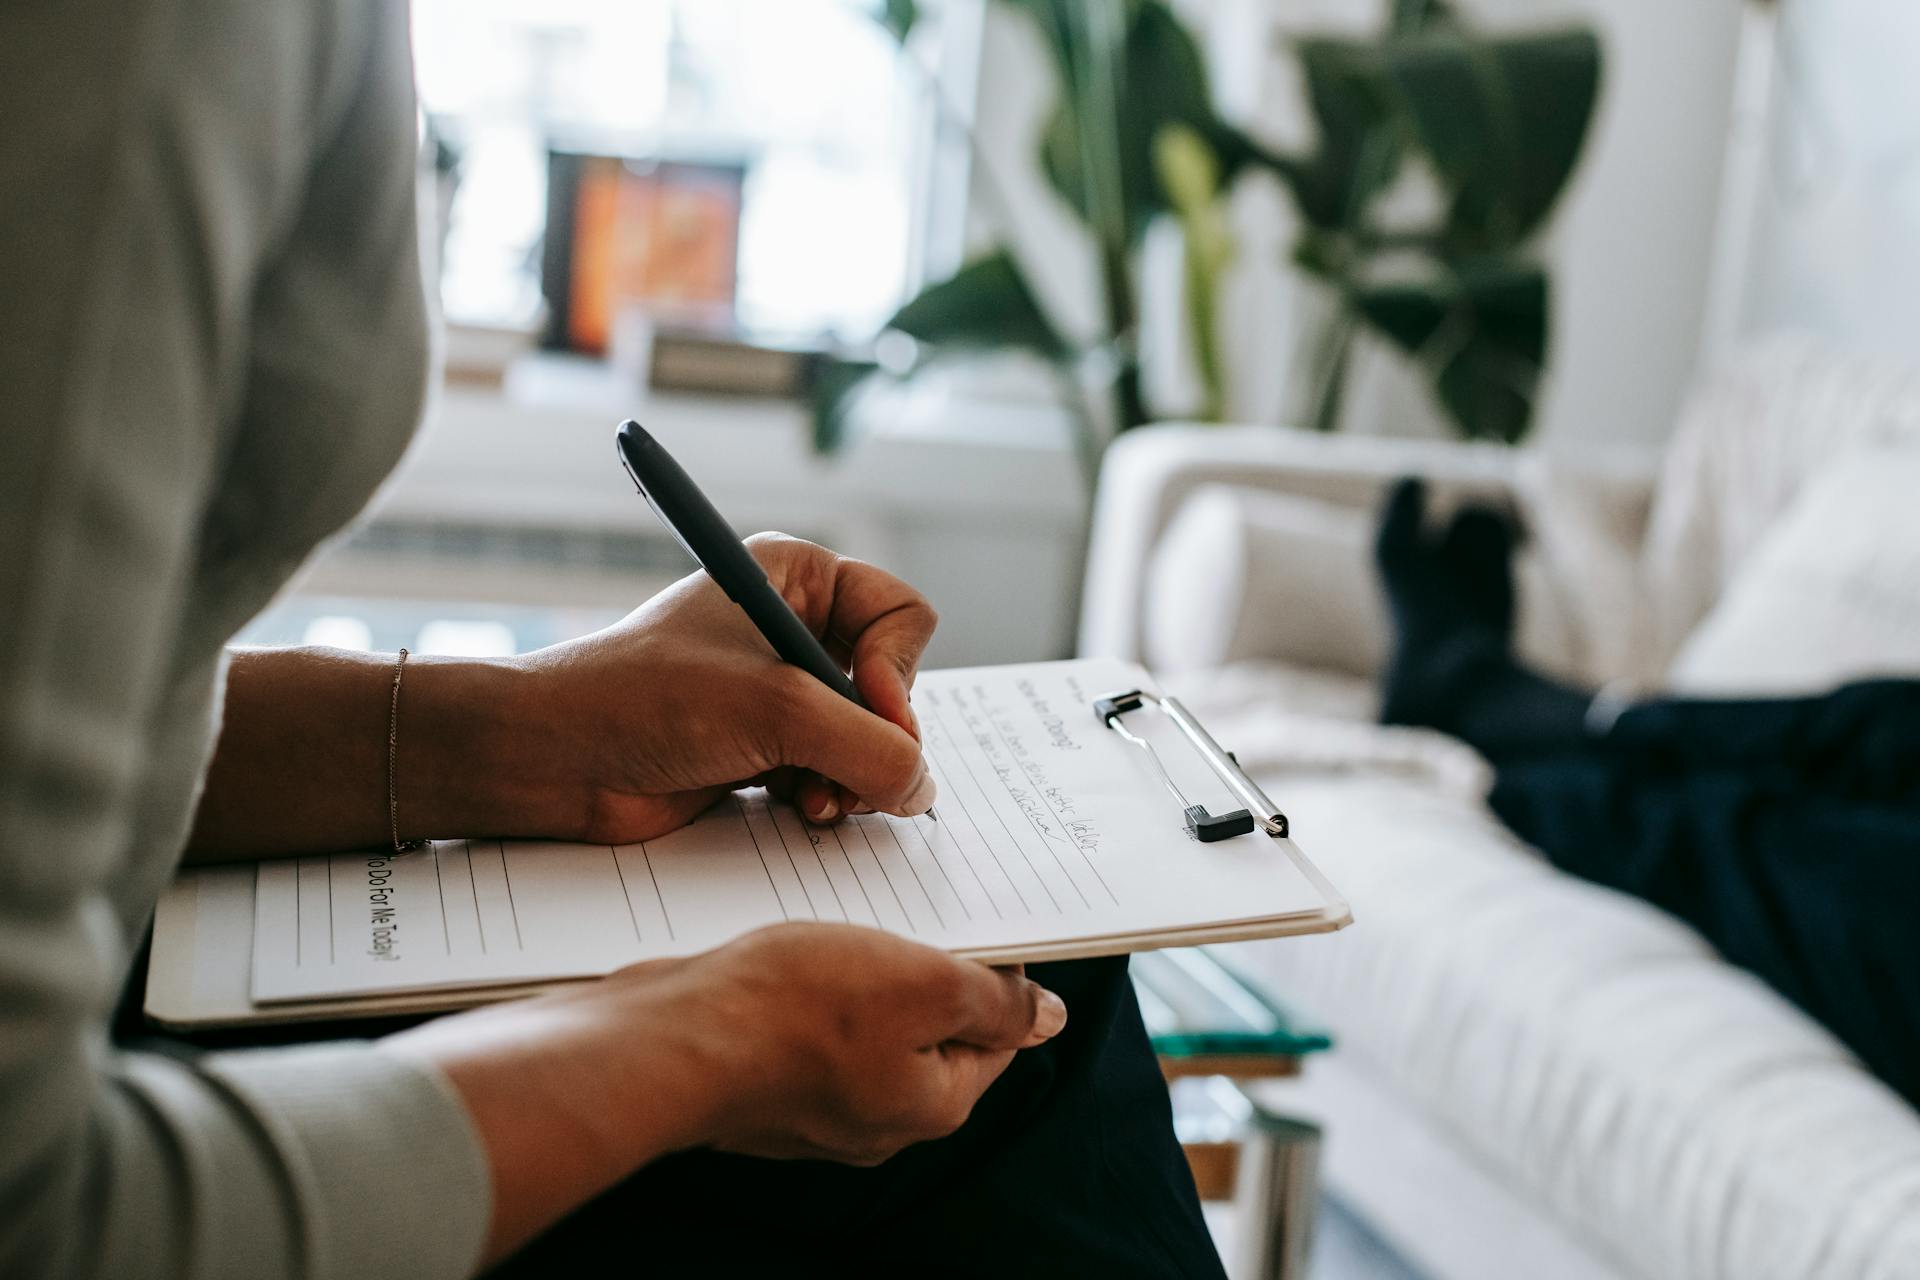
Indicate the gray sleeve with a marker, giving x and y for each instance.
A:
(156, 157)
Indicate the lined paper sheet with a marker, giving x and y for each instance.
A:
(1052, 830)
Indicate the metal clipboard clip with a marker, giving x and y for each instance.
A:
(1201, 825)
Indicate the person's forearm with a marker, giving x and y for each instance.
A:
(301, 764)
(567, 1100)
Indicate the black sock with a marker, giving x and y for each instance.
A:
(1451, 600)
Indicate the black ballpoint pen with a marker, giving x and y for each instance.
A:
(691, 518)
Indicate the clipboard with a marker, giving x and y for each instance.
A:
(1002, 741)
(1201, 825)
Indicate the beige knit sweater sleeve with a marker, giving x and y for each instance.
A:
(211, 346)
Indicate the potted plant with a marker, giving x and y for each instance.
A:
(1491, 125)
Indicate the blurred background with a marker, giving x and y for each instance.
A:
(706, 214)
(1104, 322)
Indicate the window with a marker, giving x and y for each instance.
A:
(831, 121)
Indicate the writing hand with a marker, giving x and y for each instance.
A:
(618, 736)
(635, 729)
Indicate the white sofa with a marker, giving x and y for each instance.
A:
(1535, 1076)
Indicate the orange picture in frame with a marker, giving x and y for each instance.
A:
(665, 234)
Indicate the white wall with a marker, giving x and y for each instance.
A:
(1835, 192)
(1011, 199)
(1632, 253)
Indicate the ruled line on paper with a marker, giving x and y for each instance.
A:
(993, 809)
(758, 852)
(664, 913)
(512, 906)
(985, 712)
(813, 912)
(949, 788)
(939, 918)
(893, 828)
(440, 888)
(626, 893)
(813, 834)
(814, 849)
(473, 888)
(1040, 792)
(866, 837)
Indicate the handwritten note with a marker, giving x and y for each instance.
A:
(1053, 831)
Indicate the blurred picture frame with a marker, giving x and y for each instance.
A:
(621, 232)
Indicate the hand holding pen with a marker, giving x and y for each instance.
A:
(868, 605)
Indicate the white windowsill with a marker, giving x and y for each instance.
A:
(980, 505)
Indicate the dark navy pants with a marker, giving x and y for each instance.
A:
(1787, 831)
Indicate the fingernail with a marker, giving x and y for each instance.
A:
(829, 810)
(1049, 1014)
(924, 793)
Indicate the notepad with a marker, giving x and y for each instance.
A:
(1055, 840)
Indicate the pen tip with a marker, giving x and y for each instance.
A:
(933, 815)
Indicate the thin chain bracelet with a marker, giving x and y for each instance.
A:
(393, 763)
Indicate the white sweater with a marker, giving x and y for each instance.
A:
(212, 347)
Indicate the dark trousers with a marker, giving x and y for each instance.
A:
(1787, 831)
(1067, 1167)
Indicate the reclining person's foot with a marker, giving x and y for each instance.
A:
(1450, 599)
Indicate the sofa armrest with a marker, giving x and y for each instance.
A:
(1149, 473)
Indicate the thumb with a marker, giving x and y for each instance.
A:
(877, 761)
(1000, 1010)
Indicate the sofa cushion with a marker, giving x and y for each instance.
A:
(1244, 574)
(1669, 1108)
(1211, 600)
(1830, 594)
(1748, 442)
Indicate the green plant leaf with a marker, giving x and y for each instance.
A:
(1165, 87)
(985, 304)
(899, 16)
(1418, 15)
(833, 385)
(1080, 149)
(1190, 172)
(1359, 147)
(1063, 163)
(1407, 314)
(1557, 77)
(1158, 79)
(1239, 151)
(1481, 333)
(1503, 121)
(1321, 254)
(1055, 20)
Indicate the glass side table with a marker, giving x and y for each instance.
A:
(1212, 1031)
